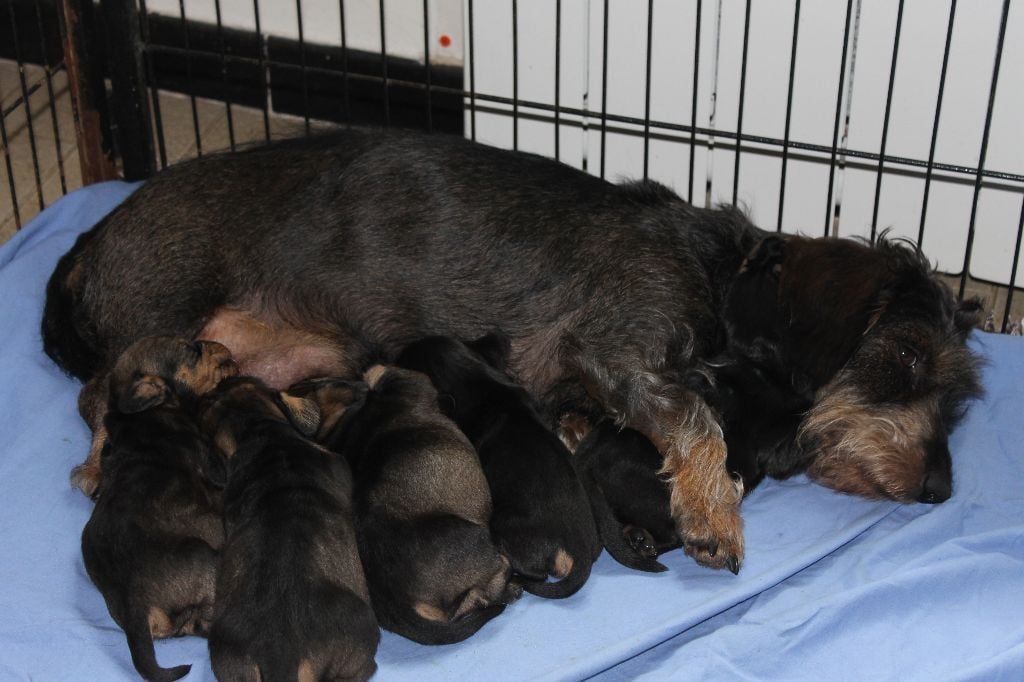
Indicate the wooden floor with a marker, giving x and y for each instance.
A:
(43, 158)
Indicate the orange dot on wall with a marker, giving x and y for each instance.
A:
(445, 40)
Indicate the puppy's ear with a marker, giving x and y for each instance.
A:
(494, 348)
(967, 315)
(303, 413)
(145, 392)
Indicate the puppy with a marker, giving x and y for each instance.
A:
(541, 517)
(192, 367)
(630, 500)
(422, 509)
(151, 543)
(292, 600)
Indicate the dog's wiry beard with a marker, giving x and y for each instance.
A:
(872, 450)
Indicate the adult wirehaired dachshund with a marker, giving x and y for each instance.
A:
(319, 256)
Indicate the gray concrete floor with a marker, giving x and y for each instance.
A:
(50, 140)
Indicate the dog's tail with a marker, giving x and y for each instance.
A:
(140, 644)
(610, 530)
(62, 338)
(426, 631)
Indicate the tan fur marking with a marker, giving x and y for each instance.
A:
(429, 612)
(373, 375)
(306, 673)
(572, 429)
(304, 411)
(562, 565)
(160, 624)
(866, 449)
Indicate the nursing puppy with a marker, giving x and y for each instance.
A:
(422, 510)
(292, 601)
(541, 518)
(630, 500)
(151, 543)
(320, 256)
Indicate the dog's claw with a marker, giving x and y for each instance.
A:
(713, 549)
(733, 564)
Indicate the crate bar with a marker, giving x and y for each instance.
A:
(839, 112)
(647, 87)
(847, 109)
(10, 172)
(384, 67)
(52, 99)
(152, 86)
(28, 107)
(130, 105)
(558, 76)
(885, 121)
(743, 95)
(984, 150)
(302, 66)
(85, 82)
(604, 88)
(426, 64)
(789, 116)
(264, 100)
(515, 74)
(344, 62)
(188, 77)
(693, 99)
(1013, 272)
(935, 124)
(224, 76)
(472, 77)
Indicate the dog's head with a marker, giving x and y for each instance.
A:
(878, 344)
(240, 402)
(156, 368)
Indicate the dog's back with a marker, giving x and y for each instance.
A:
(290, 559)
(541, 517)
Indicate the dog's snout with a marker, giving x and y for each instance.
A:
(936, 488)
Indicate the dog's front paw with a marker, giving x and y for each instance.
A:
(86, 477)
(708, 521)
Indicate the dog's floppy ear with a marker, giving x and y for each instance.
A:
(967, 315)
(303, 413)
(494, 348)
(145, 392)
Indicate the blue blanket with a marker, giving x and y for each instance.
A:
(833, 587)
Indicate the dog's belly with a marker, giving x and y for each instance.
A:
(274, 351)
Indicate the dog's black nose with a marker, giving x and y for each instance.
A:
(936, 488)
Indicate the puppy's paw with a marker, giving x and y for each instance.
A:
(86, 477)
(640, 541)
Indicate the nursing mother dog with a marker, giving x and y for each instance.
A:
(321, 256)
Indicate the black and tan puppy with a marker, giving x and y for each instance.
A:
(541, 518)
(422, 510)
(630, 500)
(151, 543)
(292, 601)
(318, 257)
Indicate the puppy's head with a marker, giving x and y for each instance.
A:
(880, 342)
(334, 397)
(238, 403)
(155, 369)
